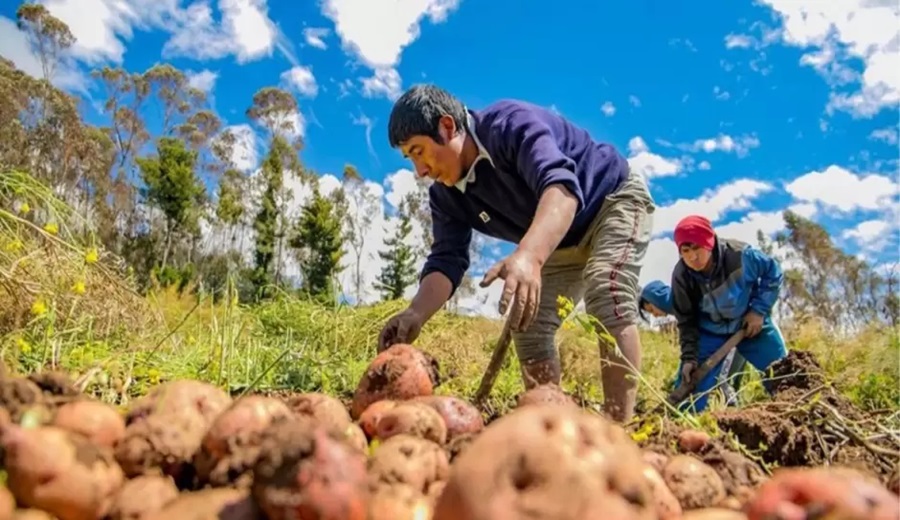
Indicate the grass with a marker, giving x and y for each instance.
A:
(65, 305)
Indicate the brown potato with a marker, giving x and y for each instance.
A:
(547, 461)
(714, 514)
(656, 460)
(398, 373)
(7, 503)
(408, 460)
(398, 502)
(180, 396)
(32, 514)
(323, 408)
(459, 416)
(693, 483)
(545, 394)
(368, 420)
(143, 496)
(210, 504)
(667, 506)
(99, 422)
(412, 418)
(693, 441)
(60, 472)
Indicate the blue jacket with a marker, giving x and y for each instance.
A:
(659, 295)
(743, 279)
(523, 149)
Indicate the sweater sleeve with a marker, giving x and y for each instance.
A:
(766, 277)
(686, 312)
(450, 249)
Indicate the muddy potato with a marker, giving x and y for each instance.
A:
(459, 416)
(368, 420)
(323, 408)
(230, 446)
(714, 514)
(800, 493)
(656, 460)
(210, 504)
(180, 396)
(545, 394)
(99, 422)
(412, 461)
(694, 484)
(143, 496)
(18, 394)
(459, 444)
(412, 418)
(739, 474)
(60, 472)
(398, 373)
(307, 471)
(693, 441)
(667, 506)
(547, 462)
(398, 502)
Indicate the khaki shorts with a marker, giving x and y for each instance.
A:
(603, 269)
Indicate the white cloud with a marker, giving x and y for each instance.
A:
(713, 204)
(634, 100)
(704, 165)
(738, 41)
(740, 145)
(721, 94)
(245, 153)
(204, 80)
(846, 31)
(14, 46)
(608, 109)
(315, 36)
(871, 235)
(804, 209)
(301, 80)
(888, 135)
(838, 188)
(385, 82)
(649, 164)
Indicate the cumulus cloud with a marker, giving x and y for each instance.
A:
(301, 80)
(204, 80)
(712, 203)
(840, 189)
(14, 46)
(608, 109)
(650, 164)
(315, 37)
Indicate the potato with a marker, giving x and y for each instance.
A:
(321, 407)
(408, 460)
(667, 506)
(412, 418)
(180, 396)
(801, 493)
(18, 394)
(99, 422)
(307, 471)
(693, 483)
(548, 393)
(459, 416)
(32, 514)
(231, 445)
(714, 514)
(210, 504)
(143, 496)
(459, 444)
(693, 441)
(546, 461)
(356, 437)
(656, 460)
(368, 420)
(60, 472)
(398, 373)
(7, 503)
(398, 502)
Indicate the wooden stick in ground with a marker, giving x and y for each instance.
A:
(496, 363)
(680, 393)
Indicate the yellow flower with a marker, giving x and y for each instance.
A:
(91, 256)
(78, 288)
(13, 246)
(51, 227)
(39, 308)
(24, 346)
(24, 208)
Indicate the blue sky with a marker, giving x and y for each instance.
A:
(736, 113)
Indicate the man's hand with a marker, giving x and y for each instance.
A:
(687, 369)
(521, 272)
(403, 327)
(753, 323)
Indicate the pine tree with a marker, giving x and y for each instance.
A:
(399, 271)
(319, 243)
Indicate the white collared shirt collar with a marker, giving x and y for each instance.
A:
(482, 154)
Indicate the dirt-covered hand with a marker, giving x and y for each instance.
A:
(521, 273)
(687, 369)
(753, 323)
(403, 327)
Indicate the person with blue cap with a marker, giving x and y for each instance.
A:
(656, 300)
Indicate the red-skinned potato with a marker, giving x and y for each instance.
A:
(548, 461)
(398, 373)
(307, 471)
(60, 472)
(143, 496)
(694, 484)
(460, 417)
(796, 494)
(99, 422)
(210, 504)
(180, 396)
(693, 441)
(368, 420)
(412, 418)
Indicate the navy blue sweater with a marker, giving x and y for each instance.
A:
(529, 149)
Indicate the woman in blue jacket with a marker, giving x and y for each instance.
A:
(656, 300)
(720, 286)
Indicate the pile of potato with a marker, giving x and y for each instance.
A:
(188, 451)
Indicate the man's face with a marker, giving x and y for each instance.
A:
(695, 256)
(438, 161)
(654, 310)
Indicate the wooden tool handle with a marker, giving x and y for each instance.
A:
(496, 363)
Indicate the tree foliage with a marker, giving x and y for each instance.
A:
(399, 271)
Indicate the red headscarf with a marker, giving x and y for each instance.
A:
(697, 230)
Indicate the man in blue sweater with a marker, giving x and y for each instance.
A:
(580, 218)
(718, 287)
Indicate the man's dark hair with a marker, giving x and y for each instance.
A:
(418, 112)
